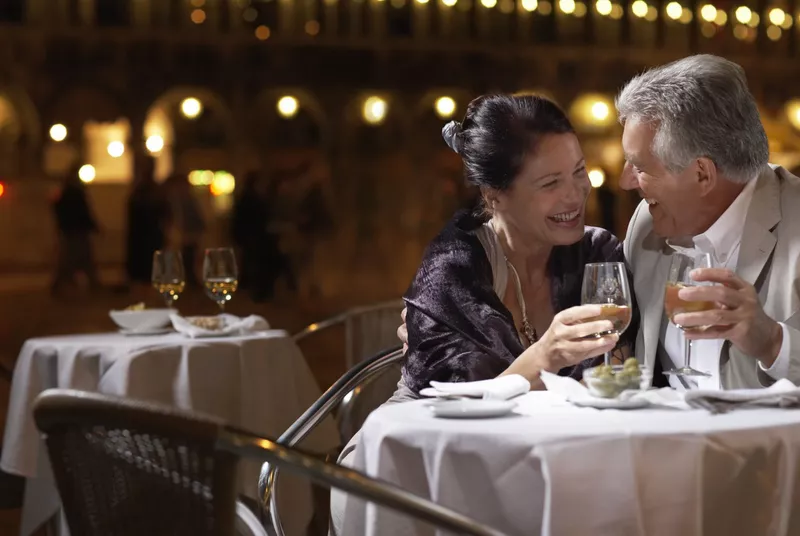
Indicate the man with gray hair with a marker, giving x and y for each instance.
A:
(697, 153)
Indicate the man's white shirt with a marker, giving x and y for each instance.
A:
(721, 241)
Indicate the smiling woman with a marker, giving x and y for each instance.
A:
(497, 292)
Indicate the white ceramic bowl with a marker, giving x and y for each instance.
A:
(144, 320)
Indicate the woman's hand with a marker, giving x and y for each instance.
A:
(567, 341)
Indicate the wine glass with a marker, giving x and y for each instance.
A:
(168, 276)
(679, 270)
(606, 284)
(220, 275)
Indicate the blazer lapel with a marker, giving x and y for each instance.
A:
(757, 238)
(651, 279)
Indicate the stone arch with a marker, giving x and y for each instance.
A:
(310, 127)
(429, 123)
(79, 104)
(203, 143)
(20, 131)
(24, 112)
(390, 135)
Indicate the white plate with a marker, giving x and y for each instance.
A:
(608, 403)
(133, 333)
(471, 409)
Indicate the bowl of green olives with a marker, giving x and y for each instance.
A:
(608, 381)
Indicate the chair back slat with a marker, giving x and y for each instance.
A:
(371, 331)
(135, 474)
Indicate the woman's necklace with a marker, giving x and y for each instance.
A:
(527, 329)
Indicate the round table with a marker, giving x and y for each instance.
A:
(553, 468)
(258, 381)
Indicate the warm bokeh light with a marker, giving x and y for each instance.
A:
(529, 5)
(86, 173)
(154, 143)
(740, 32)
(198, 3)
(262, 33)
(312, 27)
(603, 7)
(545, 7)
(600, 111)
(489, 3)
(774, 33)
(374, 110)
(639, 8)
(580, 10)
(58, 132)
(708, 30)
(686, 16)
(743, 14)
(198, 16)
(445, 107)
(674, 10)
(288, 106)
(616, 11)
(422, 1)
(708, 13)
(777, 16)
(793, 112)
(201, 177)
(566, 6)
(754, 20)
(593, 111)
(250, 14)
(597, 177)
(449, 3)
(191, 107)
(116, 149)
(223, 183)
(721, 18)
(652, 14)
(2, 189)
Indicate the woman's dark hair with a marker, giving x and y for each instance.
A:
(498, 132)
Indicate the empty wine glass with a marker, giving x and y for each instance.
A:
(606, 284)
(168, 276)
(680, 268)
(220, 275)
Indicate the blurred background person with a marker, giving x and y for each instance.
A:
(186, 223)
(75, 223)
(147, 220)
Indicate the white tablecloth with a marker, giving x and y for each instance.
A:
(258, 382)
(555, 469)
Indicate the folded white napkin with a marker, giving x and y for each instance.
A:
(502, 388)
(573, 390)
(783, 394)
(230, 325)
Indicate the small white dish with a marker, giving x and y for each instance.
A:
(141, 320)
(145, 332)
(471, 408)
(609, 403)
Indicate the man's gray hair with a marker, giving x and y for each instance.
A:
(700, 107)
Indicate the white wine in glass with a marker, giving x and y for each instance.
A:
(168, 277)
(220, 275)
(679, 277)
(606, 284)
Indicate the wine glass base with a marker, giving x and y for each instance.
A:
(687, 371)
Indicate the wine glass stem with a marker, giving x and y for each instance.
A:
(221, 306)
(687, 349)
(608, 358)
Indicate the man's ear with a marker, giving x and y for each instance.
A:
(706, 175)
